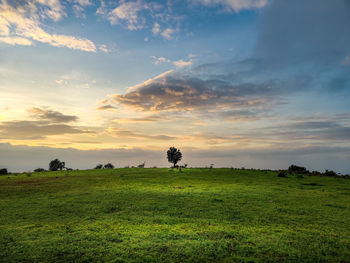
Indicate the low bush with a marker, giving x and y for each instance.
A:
(282, 173)
(108, 166)
(297, 169)
(99, 166)
(38, 170)
(330, 173)
(3, 171)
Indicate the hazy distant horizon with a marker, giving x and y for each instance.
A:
(26, 159)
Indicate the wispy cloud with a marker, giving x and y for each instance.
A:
(168, 33)
(45, 122)
(107, 107)
(183, 63)
(123, 133)
(159, 60)
(128, 13)
(234, 5)
(36, 130)
(16, 41)
(51, 115)
(20, 22)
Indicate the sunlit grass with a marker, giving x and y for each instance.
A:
(160, 215)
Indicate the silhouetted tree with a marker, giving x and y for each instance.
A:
(108, 166)
(99, 166)
(174, 155)
(3, 171)
(56, 165)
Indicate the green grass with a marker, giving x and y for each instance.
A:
(137, 215)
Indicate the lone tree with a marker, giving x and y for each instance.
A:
(56, 165)
(174, 155)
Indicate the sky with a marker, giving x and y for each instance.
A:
(234, 83)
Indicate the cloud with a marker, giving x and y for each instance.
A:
(45, 122)
(159, 60)
(156, 29)
(79, 11)
(105, 49)
(319, 35)
(106, 107)
(16, 41)
(123, 133)
(24, 21)
(234, 5)
(83, 2)
(35, 130)
(128, 12)
(168, 33)
(183, 63)
(50, 115)
(178, 91)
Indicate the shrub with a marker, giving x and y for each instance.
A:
(315, 173)
(38, 170)
(282, 174)
(99, 166)
(109, 166)
(142, 165)
(297, 169)
(330, 173)
(3, 171)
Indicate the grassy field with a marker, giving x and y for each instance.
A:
(159, 215)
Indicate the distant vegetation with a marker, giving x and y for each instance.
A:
(174, 156)
(37, 170)
(301, 171)
(99, 166)
(108, 166)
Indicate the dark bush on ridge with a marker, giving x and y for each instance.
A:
(297, 169)
(99, 166)
(330, 173)
(3, 171)
(38, 170)
(316, 173)
(109, 166)
(282, 174)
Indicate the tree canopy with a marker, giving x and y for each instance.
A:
(174, 155)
